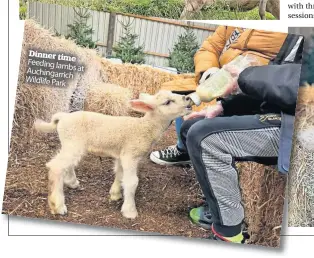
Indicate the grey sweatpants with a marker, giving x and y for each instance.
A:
(214, 145)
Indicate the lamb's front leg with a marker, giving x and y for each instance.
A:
(129, 183)
(115, 190)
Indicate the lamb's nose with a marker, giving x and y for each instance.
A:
(187, 98)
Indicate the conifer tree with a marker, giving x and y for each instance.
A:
(80, 31)
(182, 56)
(126, 48)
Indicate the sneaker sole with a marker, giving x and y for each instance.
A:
(162, 162)
(200, 225)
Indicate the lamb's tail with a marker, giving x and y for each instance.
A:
(45, 127)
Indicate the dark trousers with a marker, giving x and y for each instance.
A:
(214, 145)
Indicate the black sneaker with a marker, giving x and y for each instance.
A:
(170, 156)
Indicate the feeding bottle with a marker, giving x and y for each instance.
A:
(220, 82)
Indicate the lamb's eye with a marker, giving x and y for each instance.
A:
(168, 102)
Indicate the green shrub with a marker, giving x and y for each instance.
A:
(90, 4)
(22, 10)
(158, 8)
(161, 8)
(182, 56)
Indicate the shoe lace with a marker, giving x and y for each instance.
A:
(170, 151)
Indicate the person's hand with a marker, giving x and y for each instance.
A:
(209, 72)
(235, 72)
(208, 112)
(233, 86)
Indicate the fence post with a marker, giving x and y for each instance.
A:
(112, 25)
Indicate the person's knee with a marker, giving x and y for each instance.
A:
(185, 128)
(197, 132)
(205, 128)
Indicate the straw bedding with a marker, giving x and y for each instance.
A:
(262, 187)
(301, 179)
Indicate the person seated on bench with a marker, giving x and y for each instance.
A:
(225, 44)
(255, 125)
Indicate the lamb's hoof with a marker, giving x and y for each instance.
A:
(56, 205)
(74, 185)
(129, 213)
(115, 193)
(115, 196)
(61, 210)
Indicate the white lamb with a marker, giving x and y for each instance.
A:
(126, 139)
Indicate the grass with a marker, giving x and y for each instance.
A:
(161, 8)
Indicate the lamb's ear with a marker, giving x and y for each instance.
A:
(141, 106)
(145, 96)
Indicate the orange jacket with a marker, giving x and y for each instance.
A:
(225, 44)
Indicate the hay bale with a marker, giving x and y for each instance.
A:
(109, 99)
(39, 101)
(301, 178)
(305, 95)
(263, 190)
(138, 78)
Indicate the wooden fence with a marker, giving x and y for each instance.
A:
(156, 35)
